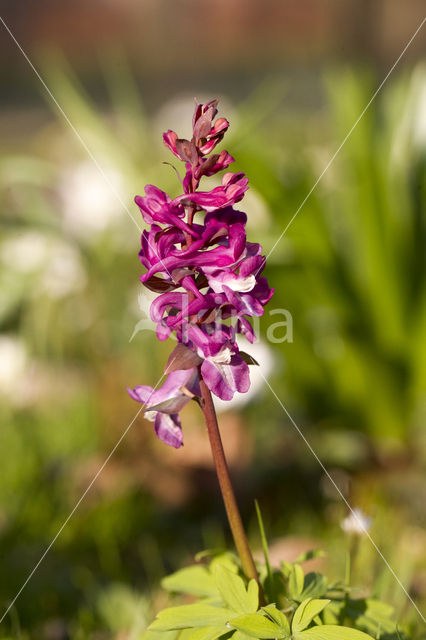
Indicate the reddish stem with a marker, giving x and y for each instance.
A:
(226, 488)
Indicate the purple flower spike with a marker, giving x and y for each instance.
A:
(197, 258)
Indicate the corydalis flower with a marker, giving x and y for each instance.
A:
(197, 258)
(163, 404)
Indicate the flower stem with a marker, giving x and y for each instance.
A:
(226, 488)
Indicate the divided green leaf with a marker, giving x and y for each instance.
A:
(309, 555)
(257, 626)
(296, 581)
(253, 595)
(277, 616)
(239, 635)
(202, 633)
(333, 613)
(195, 581)
(373, 616)
(315, 585)
(275, 586)
(191, 615)
(160, 635)
(225, 559)
(233, 591)
(306, 612)
(331, 632)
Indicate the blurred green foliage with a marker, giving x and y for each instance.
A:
(350, 270)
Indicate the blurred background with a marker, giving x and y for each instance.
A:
(292, 77)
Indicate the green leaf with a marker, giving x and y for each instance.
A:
(214, 601)
(333, 613)
(208, 553)
(225, 559)
(195, 580)
(286, 569)
(253, 595)
(239, 635)
(276, 588)
(277, 616)
(371, 615)
(257, 626)
(296, 580)
(159, 635)
(233, 591)
(306, 612)
(202, 633)
(315, 585)
(368, 606)
(269, 580)
(191, 615)
(331, 632)
(218, 555)
(309, 555)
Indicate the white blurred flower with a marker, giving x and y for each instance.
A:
(357, 522)
(145, 298)
(411, 125)
(13, 362)
(25, 381)
(89, 203)
(64, 274)
(26, 252)
(258, 215)
(56, 263)
(419, 107)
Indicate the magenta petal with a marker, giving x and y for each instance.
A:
(141, 393)
(209, 146)
(244, 303)
(162, 331)
(224, 379)
(169, 139)
(213, 375)
(168, 429)
(241, 373)
(170, 397)
(244, 327)
(173, 385)
(209, 344)
(171, 405)
(252, 265)
(165, 302)
(214, 164)
(234, 185)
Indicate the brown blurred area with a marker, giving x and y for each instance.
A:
(174, 43)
